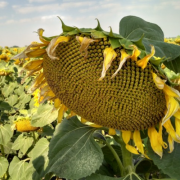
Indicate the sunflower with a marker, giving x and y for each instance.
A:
(107, 83)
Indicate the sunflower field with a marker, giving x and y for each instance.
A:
(92, 105)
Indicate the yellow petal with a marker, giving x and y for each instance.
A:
(131, 149)
(124, 57)
(95, 125)
(177, 114)
(136, 53)
(109, 56)
(35, 53)
(171, 143)
(84, 41)
(172, 107)
(126, 136)
(40, 33)
(158, 81)
(112, 131)
(57, 103)
(143, 62)
(170, 130)
(155, 144)
(31, 65)
(171, 91)
(61, 113)
(160, 137)
(177, 124)
(53, 44)
(83, 120)
(138, 142)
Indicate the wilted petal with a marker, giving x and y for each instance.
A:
(171, 91)
(143, 62)
(171, 143)
(84, 41)
(158, 81)
(31, 65)
(177, 124)
(155, 144)
(40, 33)
(53, 44)
(57, 103)
(124, 57)
(172, 107)
(109, 56)
(61, 113)
(83, 120)
(170, 130)
(136, 53)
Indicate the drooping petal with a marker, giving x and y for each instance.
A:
(109, 56)
(85, 42)
(155, 144)
(112, 131)
(53, 44)
(171, 143)
(57, 103)
(126, 136)
(172, 107)
(177, 114)
(143, 62)
(136, 53)
(170, 130)
(160, 137)
(83, 120)
(124, 57)
(31, 65)
(171, 91)
(138, 142)
(177, 124)
(35, 53)
(40, 33)
(61, 113)
(158, 81)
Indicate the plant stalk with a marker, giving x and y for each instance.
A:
(121, 168)
(2, 150)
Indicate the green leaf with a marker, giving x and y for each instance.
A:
(126, 43)
(46, 114)
(170, 161)
(9, 88)
(23, 143)
(3, 166)
(66, 28)
(114, 42)
(17, 169)
(19, 90)
(144, 166)
(101, 177)
(4, 106)
(134, 28)
(39, 156)
(73, 153)
(12, 100)
(5, 133)
(98, 34)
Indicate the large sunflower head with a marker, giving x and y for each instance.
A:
(107, 80)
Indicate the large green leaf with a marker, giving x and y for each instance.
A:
(12, 100)
(6, 133)
(4, 106)
(46, 114)
(130, 176)
(73, 153)
(9, 88)
(133, 28)
(17, 169)
(3, 166)
(23, 143)
(39, 156)
(169, 163)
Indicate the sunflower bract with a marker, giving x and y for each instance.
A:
(129, 101)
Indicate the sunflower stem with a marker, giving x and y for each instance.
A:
(117, 158)
(126, 156)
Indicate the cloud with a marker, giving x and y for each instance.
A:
(39, 1)
(3, 4)
(50, 7)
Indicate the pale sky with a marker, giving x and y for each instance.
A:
(20, 18)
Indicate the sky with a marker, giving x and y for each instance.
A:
(20, 19)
